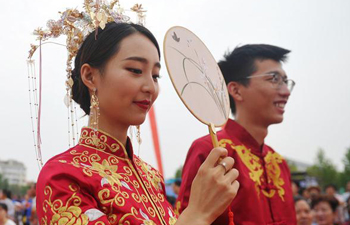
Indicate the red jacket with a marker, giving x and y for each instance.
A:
(99, 182)
(265, 194)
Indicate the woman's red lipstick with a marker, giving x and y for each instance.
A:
(145, 104)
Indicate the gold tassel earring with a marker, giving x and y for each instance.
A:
(138, 135)
(94, 115)
(138, 138)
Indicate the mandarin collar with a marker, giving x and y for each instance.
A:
(235, 130)
(105, 142)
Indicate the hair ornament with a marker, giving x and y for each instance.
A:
(76, 26)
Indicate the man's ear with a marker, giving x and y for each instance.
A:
(89, 76)
(234, 89)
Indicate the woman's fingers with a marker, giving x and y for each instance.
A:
(231, 176)
(225, 164)
(214, 156)
(214, 186)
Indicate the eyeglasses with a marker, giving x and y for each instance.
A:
(277, 80)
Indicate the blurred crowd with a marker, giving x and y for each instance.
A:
(315, 206)
(20, 210)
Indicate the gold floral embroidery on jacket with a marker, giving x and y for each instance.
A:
(177, 208)
(172, 218)
(107, 171)
(151, 175)
(253, 163)
(64, 213)
(88, 137)
(139, 215)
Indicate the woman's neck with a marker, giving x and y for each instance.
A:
(118, 131)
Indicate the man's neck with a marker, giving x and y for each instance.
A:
(257, 131)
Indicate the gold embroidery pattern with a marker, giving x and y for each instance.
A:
(141, 216)
(68, 213)
(151, 175)
(120, 180)
(274, 172)
(153, 181)
(253, 163)
(108, 171)
(177, 208)
(172, 218)
(87, 137)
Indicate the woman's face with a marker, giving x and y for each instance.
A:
(304, 216)
(128, 85)
(324, 214)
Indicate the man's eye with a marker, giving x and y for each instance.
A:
(133, 70)
(275, 78)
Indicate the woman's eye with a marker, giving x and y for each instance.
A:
(136, 71)
(156, 77)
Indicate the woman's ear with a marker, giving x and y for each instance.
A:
(89, 76)
(234, 89)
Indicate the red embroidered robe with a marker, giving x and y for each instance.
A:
(96, 182)
(264, 196)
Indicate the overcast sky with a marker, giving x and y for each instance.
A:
(317, 114)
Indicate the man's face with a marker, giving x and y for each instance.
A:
(3, 214)
(263, 100)
(348, 186)
(330, 191)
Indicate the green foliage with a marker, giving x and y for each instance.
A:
(324, 170)
(292, 166)
(345, 175)
(15, 189)
(4, 184)
(178, 173)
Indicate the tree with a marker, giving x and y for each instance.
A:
(292, 166)
(345, 175)
(324, 170)
(178, 173)
(4, 184)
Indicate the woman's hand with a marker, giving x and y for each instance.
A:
(212, 190)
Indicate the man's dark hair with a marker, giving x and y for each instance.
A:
(7, 193)
(177, 183)
(331, 186)
(332, 201)
(3, 206)
(240, 63)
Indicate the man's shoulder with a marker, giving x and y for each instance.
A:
(10, 222)
(204, 140)
(271, 150)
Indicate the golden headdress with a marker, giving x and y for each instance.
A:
(76, 26)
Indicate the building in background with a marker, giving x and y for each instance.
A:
(13, 171)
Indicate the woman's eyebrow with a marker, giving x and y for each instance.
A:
(142, 60)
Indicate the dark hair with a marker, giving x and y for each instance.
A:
(97, 52)
(177, 183)
(7, 193)
(332, 201)
(331, 186)
(240, 63)
(298, 198)
(3, 206)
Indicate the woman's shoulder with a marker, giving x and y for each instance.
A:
(61, 165)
